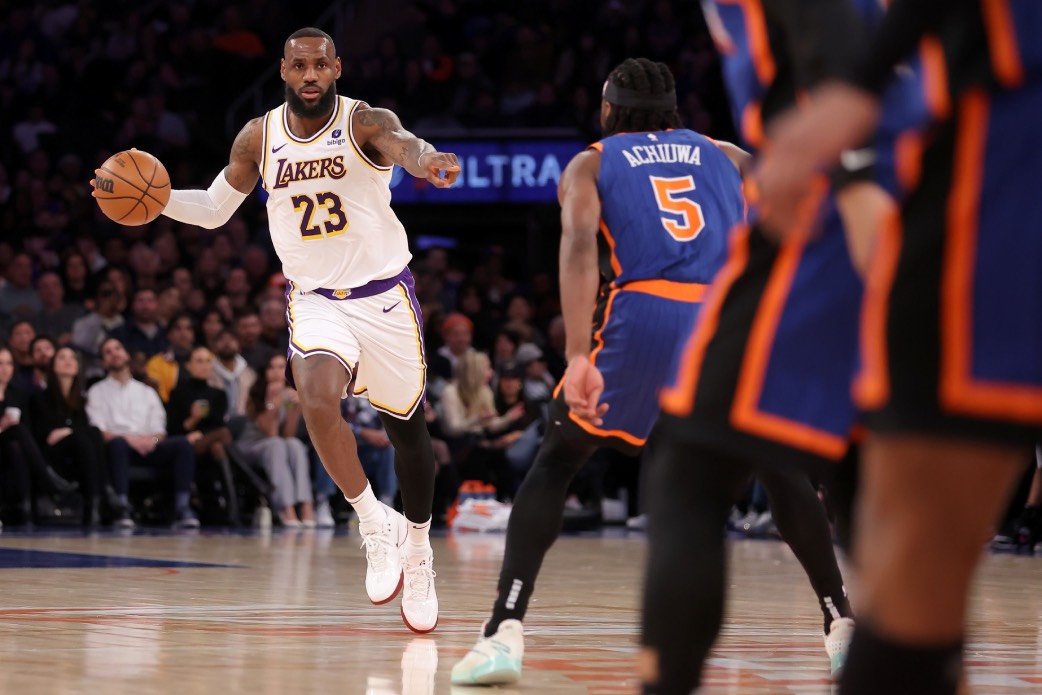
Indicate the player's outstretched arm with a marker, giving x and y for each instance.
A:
(213, 207)
(383, 130)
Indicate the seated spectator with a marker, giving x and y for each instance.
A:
(56, 316)
(169, 304)
(234, 373)
(164, 369)
(248, 331)
(20, 343)
(76, 278)
(470, 420)
(270, 438)
(457, 331)
(142, 333)
(18, 299)
(520, 438)
(70, 443)
(504, 350)
(274, 331)
(42, 350)
(374, 448)
(21, 457)
(200, 412)
(211, 325)
(539, 385)
(132, 421)
(90, 330)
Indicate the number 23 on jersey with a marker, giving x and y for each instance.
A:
(335, 223)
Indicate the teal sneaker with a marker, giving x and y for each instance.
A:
(494, 660)
(837, 644)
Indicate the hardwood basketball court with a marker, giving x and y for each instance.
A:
(286, 612)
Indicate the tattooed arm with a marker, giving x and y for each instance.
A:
(382, 130)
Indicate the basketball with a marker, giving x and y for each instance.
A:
(132, 187)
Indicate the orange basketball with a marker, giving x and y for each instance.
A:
(132, 187)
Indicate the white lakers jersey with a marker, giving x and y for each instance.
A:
(329, 205)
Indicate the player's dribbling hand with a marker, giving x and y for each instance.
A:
(583, 386)
(437, 162)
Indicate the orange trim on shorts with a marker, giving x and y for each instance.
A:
(615, 265)
(598, 337)
(598, 432)
(679, 399)
(960, 392)
(745, 412)
(677, 291)
(935, 77)
(872, 385)
(599, 340)
(759, 41)
(1002, 42)
(752, 124)
(908, 159)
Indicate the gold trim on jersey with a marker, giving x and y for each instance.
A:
(423, 363)
(317, 136)
(264, 150)
(354, 145)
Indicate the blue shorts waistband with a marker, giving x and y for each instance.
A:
(370, 289)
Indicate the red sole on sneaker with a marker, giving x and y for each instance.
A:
(419, 632)
(397, 589)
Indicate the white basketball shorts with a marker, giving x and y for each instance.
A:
(375, 331)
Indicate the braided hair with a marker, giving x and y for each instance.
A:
(650, 79)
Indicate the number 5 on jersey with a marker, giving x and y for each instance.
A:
(336, 222)
(669, 196)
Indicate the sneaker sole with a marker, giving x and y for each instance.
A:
(417, 630)
(494, 672)
(397, 589)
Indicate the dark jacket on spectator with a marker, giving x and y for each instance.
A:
(180, 406)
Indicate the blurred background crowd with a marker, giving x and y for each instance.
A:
(198, 317)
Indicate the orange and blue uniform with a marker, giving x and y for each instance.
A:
(668, 202)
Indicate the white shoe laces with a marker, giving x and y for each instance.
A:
(420, 577)
(377, 544)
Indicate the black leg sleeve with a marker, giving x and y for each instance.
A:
(413, 462)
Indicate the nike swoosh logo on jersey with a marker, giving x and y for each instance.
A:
(387, 309)
(276, 149)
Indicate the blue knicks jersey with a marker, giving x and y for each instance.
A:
(668, 201)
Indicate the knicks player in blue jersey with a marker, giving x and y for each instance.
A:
(951, 380)
(645, 216)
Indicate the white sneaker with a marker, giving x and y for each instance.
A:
(638, 523)
(383, 576)
(837, 644)
(419, 667)
(494, 660)
(419, 600)
(324, 515)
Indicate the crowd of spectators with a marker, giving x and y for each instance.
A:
(140, 362)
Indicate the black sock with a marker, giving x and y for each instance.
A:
(537, 514)
(803, 524)
(511, 602)
(876, 665)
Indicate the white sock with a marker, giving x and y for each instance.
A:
(418, 539)
(368, 508)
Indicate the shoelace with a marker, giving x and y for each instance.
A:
(376, 546)
(420, 577)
